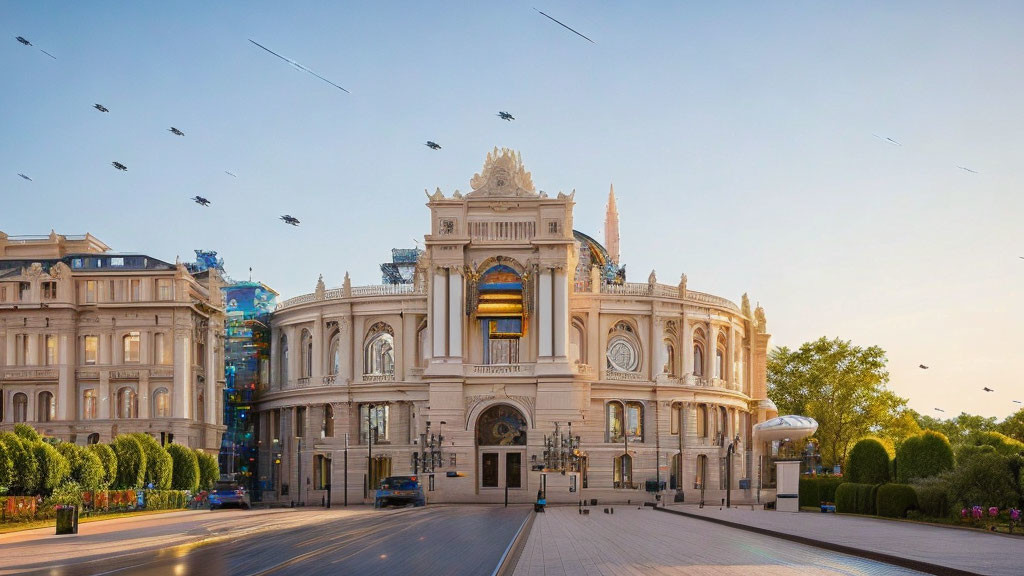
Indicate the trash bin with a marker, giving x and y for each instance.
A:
(67, 519)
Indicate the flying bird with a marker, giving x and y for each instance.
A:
(298, 66)
(432, 145)
(119, 166)
(175, 131)
(25, 177)
(23, 41)
(1016, 401)
(987, 389)
(200, 200)
(101, 107)
(566, 27)
(506, 116)
(290, 220)
(939, 410)
(922, 367)
(967, 169)
(887, 140)
(230, 174)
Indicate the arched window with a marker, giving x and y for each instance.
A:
(702, 470)
(131, 347)
(623, 352)
(93, 438)
(625, 419)
(622, 475)
(577, 342)
(698, 352)
(328, 421)
(379, 350)
(501, 425)
(284, 361)
(723, 423)
(720, 353)
(334, 359)
(20, 402)
(161, 403)
(127, 403)
(46, 409)
(702, 420)
(89, 404)
(306, 353)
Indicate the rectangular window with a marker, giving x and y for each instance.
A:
(131, 347)
(373, 418)
(49, 290)
(92, 344)
(513, 470)
(3, 293)
(164, 289)
(24, 291)
(489, 474)
(90, 291)
(163, 349)
(51, 350)
(117, 261)
(134, 290)
(635, 421)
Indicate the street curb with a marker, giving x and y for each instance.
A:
(507, 564)
(900, 561)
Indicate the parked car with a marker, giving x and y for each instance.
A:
(228, 494)
(399, 491)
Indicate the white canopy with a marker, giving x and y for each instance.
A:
(783, 427)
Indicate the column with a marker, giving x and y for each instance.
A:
(67, 396)
(439, 320)
(560, 313)
(181, 392)
(455, 313)
(658, 345)
(317, 373)
(345, 330)
(544, 325)
(710, 351)
(12, 354)
(687, 352)
(32, 358)
(294, 353)
(275, 357)
(730, 360)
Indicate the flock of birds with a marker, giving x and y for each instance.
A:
(287, 218)
(983, 388)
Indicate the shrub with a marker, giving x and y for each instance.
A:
(53, 467)
(109, 461)
(209, 470)
(24, 468)
(933, 495)
(868, 462)
(846, 498)
(814, 491)
(27, 432)
(86, 467)
(186, 467)
(924, 455)
(966, 452)
(6, 469)
(1003, 444)
(867, 497)
(895, 500)
(69, 492)
(131, 462)
(983, 480)
(166, 499)
(159, 465)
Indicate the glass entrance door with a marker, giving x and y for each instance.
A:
(489, 473)
(513, 469)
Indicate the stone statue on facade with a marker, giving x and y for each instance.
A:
(319, 292)
(745, 306)
(762, 324)
(346, 287)
(652, 279)
(682, 285)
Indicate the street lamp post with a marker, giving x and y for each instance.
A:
(299, 458)
(346, 469)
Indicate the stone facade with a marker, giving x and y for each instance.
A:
(94, 344)
(500, 314)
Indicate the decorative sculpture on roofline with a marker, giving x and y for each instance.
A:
(503, 175)
(762, 324)
(320, 291)
(745, 306)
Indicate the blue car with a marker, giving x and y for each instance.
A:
(399, 491)
(226, 494)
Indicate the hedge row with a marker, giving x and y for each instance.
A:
(855, 498)
(895, 500)
(868, 462)
(814, 491)
(891, 500)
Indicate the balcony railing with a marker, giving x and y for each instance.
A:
(499, 369)
(625, 376)
(29, 373)
(378, 377)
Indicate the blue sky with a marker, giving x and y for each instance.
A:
(739, 139)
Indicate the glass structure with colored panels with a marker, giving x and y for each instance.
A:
(246, 372)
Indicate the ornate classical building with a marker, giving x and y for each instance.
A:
(518, 358)
(95, 343)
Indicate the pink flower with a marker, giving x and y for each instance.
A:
(1014, 514)
(993, 511)
(976, 512)
(963, 512)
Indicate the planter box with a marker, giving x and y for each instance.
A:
(67, 520)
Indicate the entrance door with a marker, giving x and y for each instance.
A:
(501, 469)
(513, 469)
(489, 472)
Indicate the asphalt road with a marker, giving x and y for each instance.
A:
(435, 540)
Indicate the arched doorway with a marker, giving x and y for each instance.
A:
(501, 448)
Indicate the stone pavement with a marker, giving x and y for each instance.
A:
(634, 542)
(968, 550)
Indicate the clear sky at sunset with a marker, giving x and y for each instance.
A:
(745, 142)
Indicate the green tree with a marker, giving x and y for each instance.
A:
(87, 470)
(53, 467)
(1003, 444)
(6, 469)
(27, 432)
(984, 480)
(840, 385)
(922, 456)
(959, 429)
(209, 470)
(1013, 426)
(186, 467)
(131, 462)
(109, 460)
(868, 462)
(159, 465)
(25, 469)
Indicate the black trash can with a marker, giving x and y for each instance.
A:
(67, 520)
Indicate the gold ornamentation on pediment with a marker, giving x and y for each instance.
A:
(503, 175)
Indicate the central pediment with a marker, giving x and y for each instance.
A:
(503, 176)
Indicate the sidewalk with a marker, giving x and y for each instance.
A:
(967, 550)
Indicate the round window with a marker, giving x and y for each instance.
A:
(622, 355)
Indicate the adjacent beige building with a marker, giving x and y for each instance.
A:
(95, 343)
(515, 326)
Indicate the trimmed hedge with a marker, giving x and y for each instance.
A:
(53, 468)
(24, 467)
(924, 455)
(894, 500)
(814, 491)
(854, 498)
(27, 432)
(131, 462)
(1002, 443)
(159, 465)
(867, 499)
(868, 462)
(186, 467)
(109, 461)
(166, 499)
(209, 470)
(933, 496)
(86, 468)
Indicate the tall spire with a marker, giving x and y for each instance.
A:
(611, 227)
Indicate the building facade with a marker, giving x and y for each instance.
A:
(517, 360)
(95, 343)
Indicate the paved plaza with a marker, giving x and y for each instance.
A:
(634, 542)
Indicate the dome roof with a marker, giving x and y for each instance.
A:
(783, 427)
